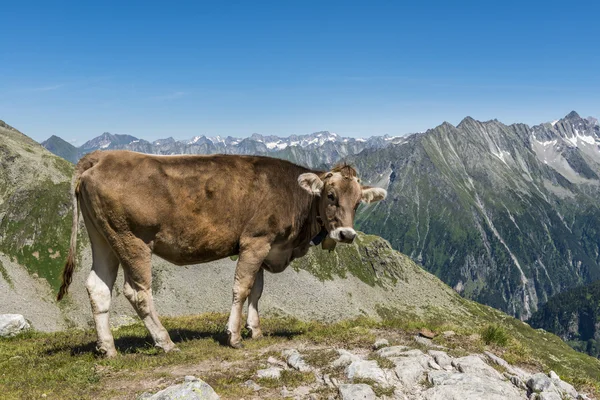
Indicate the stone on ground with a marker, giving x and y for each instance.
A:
(12, 324)
(295, 360)
(192, 389)
(359, 391)
(269, 373)
(468, 386)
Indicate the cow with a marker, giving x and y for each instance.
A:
(190, 209)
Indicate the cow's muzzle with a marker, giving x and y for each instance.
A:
(344, 235)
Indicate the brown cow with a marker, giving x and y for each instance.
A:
(195, 209)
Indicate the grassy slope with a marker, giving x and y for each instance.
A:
(34, 198)
(62, 365)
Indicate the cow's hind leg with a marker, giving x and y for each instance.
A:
(249, 264)
(253, 321)
(99, 286)
(138, 290)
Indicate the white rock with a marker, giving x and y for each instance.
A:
(448, 334)
(252, 385)
(410, 369)
(367, 369)
(192, 389)
(441, 358)
(466, 386)
(274, 361)
(553, 375)
(393, 351)
(547, 396)
(12, 324)
(540, 382)
(379, 343)
(474, 365)
(346, 358)
(509, 368)
(269, 373)
(356, 392)
(295, 360)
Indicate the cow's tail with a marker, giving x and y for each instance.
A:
(87, 162)
(67, 275)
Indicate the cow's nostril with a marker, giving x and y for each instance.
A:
(342, 236)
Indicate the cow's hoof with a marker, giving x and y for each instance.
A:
(234, 341)
(257, 333)
(168, 348)
(106, 353)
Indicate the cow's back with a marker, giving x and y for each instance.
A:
(190, 208)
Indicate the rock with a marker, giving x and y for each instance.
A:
(346, 358)
(269, 373)
(366, 369)
(12, 324)
(356, 392)
(553, 375)
(295, 360)
(301, 392)
(379, 343)
(540, 382)
(448, 334)
(411, 367)
(426, 333)
(274, 361)
(441, 358)
(476, 366)
(517, 381)
(562, 386)
(252, 385)
(433, 365)
(328, 381)
(422, 340)
(192, 388)
(393, 351)
(547, 396)
(582, 396)
(509, 368)
(285, 392)
(467, 386)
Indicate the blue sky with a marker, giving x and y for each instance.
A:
(152, 70)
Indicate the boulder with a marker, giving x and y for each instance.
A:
(467, 386)
(12, 324)
(475, 365)
(269, 373)
(345, 359)
(192, 389)
(540, 382)
(441, 358)
(379, 343)
(356, 392)
(295, 360)
(393, 351)
(367, 369)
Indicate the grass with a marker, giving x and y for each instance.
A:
(63, 364)
(494, 334)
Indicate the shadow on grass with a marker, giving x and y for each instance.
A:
(131, 344)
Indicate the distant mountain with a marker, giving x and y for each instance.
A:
(62, 148)
(574, 315)
(314, 150)
(507, 215)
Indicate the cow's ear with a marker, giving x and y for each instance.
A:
(372, 194)
(311, 183)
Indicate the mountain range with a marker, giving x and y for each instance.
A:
(508, 215)
(315, 150)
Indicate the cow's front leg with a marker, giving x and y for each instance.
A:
(253, 321)
(248, 265)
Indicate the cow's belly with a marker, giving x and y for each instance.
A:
(278, 259)
(193, 248)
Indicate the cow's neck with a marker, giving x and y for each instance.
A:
(312, 225)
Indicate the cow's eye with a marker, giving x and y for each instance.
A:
(331, 196)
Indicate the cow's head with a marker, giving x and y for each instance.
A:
(340, 193)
